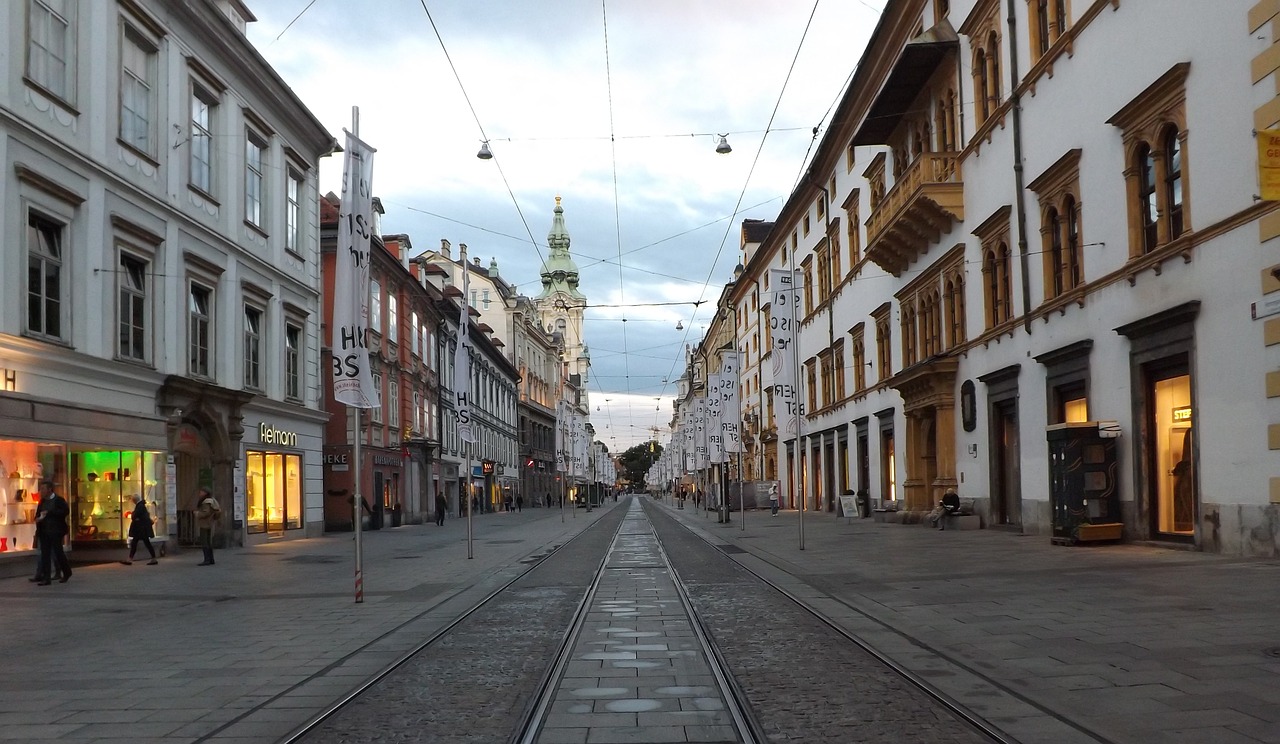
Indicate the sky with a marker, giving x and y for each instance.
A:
(617, 107)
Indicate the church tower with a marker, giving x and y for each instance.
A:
(561, 305)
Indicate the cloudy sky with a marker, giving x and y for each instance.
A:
(614, 105)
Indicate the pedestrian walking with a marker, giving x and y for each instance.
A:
(51, 530)
(519, 504)
(773, 499)
(207, 515)
(141, 530)
(441, 507)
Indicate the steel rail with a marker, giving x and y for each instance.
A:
(962, 711)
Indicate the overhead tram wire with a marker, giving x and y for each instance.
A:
(678, 363)
(617, 217)
(536, 247)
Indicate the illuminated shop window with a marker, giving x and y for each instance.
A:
(103, 484)
(22, 466)
(273, 492)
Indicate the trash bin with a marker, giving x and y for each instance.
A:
(864, 503)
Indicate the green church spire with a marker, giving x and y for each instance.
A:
(559, 272)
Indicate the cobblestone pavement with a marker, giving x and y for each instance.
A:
(1134, 644)
(1128, 643)
(476, 682)
(245, 651)
(803, 681)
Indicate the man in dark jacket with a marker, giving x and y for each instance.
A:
(51, 526)
(441, 507)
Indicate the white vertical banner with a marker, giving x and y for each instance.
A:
(730, 406)
(715, 442)
(700, 432)
(562, 440)
(687, 446)
(462, 359)
(782, 326)
(579, 445)
(352, 376)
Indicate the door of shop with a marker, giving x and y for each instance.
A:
(1006, 494)
(1173, 501)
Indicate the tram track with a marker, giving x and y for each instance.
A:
(324, 726)
(979, 724)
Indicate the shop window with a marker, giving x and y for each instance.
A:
(133, 312)
(273, 492)
(44, 276)
(1175, 500)
(22, 466)
(199, 319)
(51, 47)
(102, 490)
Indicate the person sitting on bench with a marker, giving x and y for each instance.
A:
(949, 505)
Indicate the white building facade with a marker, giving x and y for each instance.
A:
(159, 301)
(1019, 233)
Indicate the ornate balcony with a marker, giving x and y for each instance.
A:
(920, 208)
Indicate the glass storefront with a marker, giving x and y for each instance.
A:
(103, 486)
(1174, 465)
(273, 492)
(22, 466)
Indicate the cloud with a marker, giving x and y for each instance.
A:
(650, 211)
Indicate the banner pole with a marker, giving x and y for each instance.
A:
(358, 501)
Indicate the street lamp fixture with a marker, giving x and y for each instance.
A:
(485, 153)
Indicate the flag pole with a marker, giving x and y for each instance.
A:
(358, 501)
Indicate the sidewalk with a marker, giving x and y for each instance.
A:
(244, 651)
(1136, 644)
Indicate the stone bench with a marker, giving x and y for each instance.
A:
(964, 519)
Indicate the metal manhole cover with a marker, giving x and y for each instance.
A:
(731, 549)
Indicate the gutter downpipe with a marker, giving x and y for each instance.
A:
(1018, 176)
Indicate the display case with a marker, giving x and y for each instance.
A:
(1083, 497)
(22, 466)
(103, 486)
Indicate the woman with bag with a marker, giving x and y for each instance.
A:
(141, 530)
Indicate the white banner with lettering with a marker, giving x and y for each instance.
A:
(352, 375)
(462, 359)
(715, 409)
(730, 406)
(782, 327)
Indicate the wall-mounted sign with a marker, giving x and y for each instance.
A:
(1182, 415)
(8, 380)
(268, 434)
(393, 462)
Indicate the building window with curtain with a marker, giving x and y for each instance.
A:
(137, 90)
(133, 311)
(44, 276)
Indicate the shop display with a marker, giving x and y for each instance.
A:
(103, 486)
(22, 466)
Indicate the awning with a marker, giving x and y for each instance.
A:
(919, 60)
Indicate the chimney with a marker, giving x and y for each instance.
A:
(444, 249)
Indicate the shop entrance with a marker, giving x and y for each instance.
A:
(1172, 494)
(193, 470)
(1006, 493)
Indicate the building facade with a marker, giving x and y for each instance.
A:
(160, 293)
(995, 248)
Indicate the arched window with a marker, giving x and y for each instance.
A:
(1006, 290)
(980, 85)
(1042, 27)
(1148, 208)
(993, 71)
(1172, 147)
(1054, 225)
(1072, 210)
